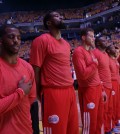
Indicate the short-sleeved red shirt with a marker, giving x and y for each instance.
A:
(53, 57)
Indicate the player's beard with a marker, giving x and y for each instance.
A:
(113, 53)
(104, 46)
(61, 25)
(10, 50)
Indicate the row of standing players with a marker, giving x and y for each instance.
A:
(50, 74)
(97, 71)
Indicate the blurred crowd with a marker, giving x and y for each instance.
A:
(113, 36)
(78, 13)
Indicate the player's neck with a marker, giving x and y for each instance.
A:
(87, 47)
(56, 34)
(10, 59)
(101, 49)
(112, 56)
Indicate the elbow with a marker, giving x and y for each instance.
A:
(82, 76)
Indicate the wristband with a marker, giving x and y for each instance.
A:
(21, 90)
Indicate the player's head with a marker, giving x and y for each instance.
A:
(117, 51)
(101, 42)
(111, 50)
(10, 39)
(53, 20)
(87, 36)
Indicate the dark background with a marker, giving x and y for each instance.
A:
(36, 5)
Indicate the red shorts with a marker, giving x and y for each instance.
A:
(60, 113)
(91, 106)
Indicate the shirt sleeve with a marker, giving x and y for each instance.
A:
(9, 102)
(81, 69)
(38, 51)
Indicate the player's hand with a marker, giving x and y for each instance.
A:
(25, 86)
(95, 60)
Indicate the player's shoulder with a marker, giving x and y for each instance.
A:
(25, 64)
(79, 49)
(42, 37)
(41, 41)
(96, 51)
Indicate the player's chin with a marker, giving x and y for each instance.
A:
(16, 51)
(93, 44)
(16, 48)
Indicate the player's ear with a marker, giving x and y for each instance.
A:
(83, 37)
(48, 23)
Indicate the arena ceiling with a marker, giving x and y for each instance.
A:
(30, 5)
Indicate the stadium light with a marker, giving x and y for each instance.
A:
(1, 2)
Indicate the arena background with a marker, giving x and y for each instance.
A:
(102, 15)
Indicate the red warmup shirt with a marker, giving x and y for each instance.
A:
(53, 57)
(15, 115)
(86, 69)
(118, 60)
(103, 67)
(114, 69)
